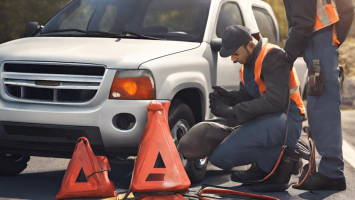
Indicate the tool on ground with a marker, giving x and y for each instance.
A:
(158, 169)
(87, 175)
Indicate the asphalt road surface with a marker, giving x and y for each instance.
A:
(43, 176)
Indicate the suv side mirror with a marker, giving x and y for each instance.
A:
(31, 29)
(216, 44)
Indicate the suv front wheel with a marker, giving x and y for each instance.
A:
(11, 165)
(181, 119)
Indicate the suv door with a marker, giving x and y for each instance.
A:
(227, 71)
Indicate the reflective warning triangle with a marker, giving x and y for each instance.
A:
(158, 166)
(87, 175)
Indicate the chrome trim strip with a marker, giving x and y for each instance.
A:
(51, 77)
(61, 86)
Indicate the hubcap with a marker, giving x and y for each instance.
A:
(178, 131)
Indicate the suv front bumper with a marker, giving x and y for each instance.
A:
(47, 130)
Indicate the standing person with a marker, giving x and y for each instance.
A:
(261, 106)
(317, 28)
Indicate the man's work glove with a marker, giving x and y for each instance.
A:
(228, 96)
(219, 108)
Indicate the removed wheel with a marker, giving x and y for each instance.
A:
(11, 165)
(181, 119)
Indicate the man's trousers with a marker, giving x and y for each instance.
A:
(259, 140)
(324, 111)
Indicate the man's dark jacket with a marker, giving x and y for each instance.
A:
(276, 76)
(301, 17)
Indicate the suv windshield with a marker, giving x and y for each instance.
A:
(182, 20)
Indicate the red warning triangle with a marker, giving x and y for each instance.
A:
(158, 166)
(87, 175)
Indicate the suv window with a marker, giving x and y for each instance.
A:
(230, 14)
(266, 24)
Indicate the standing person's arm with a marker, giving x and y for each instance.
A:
(302, 20)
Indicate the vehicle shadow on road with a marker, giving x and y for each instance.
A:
(36, 186)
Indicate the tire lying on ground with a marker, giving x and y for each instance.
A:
(12, 165)
(181, 119)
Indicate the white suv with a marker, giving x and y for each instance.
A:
(93, 68)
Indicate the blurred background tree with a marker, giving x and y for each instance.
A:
(15, 14)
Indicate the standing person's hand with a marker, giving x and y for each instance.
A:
(219, 108)
(227, 95)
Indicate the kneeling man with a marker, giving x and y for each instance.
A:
(267, 89)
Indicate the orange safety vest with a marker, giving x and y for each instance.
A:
(294, 82)
(327, 15)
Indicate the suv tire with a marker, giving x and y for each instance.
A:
(181, 119)
(12, 165)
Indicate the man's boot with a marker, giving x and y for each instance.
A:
(318, 181)
(278, 182)
(253, 173)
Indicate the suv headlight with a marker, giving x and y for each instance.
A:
(133, 84)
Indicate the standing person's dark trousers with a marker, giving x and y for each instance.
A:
(324, 110)
(317, 28)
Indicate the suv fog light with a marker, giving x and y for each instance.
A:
(124, 121)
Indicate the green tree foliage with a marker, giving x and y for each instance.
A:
(15, 14)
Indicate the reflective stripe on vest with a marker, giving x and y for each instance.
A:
(294, 82)
(326, 15)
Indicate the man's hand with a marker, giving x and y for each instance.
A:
(219, 108)
(227, 96)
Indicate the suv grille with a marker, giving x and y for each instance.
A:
(54, 69)
(60, 83)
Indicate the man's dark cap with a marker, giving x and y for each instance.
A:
(234, 37)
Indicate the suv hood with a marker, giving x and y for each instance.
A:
(111, 52)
